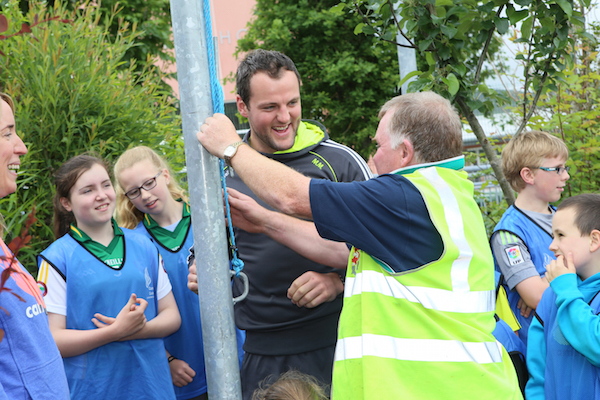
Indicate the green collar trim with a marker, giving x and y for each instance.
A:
(150, 223)
(111, 255)
(82, 237)
(455, 163)
(170, 240)
(307, 135)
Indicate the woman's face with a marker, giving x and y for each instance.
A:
(11, 147)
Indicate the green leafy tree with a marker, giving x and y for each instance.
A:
(150, 18)
(345, 78)
(571, 113)
(72, 96)
(456, 37)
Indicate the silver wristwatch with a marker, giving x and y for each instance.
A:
(230, 151)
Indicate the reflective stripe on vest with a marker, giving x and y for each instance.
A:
(432, 298)
(452, 214)
(429, 350)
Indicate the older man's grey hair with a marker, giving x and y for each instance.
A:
(429, 121)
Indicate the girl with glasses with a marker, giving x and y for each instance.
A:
(150, 200)
(109, 298)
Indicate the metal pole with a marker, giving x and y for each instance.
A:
(407, 61)
(212, 261)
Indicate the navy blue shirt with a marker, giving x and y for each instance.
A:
(385, 217)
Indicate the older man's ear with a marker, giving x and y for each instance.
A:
(407, 153)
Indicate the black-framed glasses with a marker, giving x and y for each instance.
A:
(559, 170)
(148, 185)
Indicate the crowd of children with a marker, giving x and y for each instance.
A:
(131, 275)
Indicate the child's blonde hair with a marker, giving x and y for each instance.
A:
(528, 150)
(127, 215)
(291, 385)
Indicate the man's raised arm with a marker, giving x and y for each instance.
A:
(299, 235)
(278, 185)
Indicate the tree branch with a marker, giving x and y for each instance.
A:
(366, 21)
(526, 70)
(488, 149)
(538, 93)
(527, 114)
(397, 24)
(482, 57)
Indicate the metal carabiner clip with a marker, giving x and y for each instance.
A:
(244, 279)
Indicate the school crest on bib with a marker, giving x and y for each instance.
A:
(149, 284)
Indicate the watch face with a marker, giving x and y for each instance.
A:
(229, 151)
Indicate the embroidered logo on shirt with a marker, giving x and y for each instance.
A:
(514, 255)
(148, 279)
(149, 284)
(43, 288)
(355, 258)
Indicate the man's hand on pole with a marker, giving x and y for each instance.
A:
(217, 133)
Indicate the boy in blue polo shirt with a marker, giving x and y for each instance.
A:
(534, 164)
(563, 355)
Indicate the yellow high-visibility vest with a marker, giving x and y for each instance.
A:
(426, 334)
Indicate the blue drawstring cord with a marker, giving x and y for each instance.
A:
(236, 263)
(217, 100)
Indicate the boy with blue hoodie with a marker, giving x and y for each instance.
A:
(563, 355)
